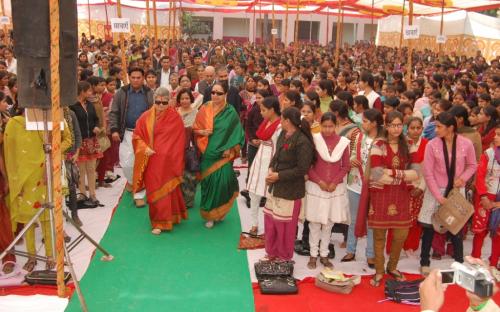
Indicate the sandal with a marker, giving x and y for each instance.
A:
(50, 264)
(8, 267)
(311, 265)
(30, 265)
(325, 262)
(156, 231)
(348, 258)
(376, 280)
(254, 231)
(398, 276)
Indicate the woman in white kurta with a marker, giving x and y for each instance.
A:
(267, 133)
(326, 201)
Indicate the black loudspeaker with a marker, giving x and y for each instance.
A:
(32, 48)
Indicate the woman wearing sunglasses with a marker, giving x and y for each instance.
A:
(159, 141)
(219, 136)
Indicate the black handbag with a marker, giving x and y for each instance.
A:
(272, 269)
(406, 292)
(192, 157)
(45, 277)
(278, 286)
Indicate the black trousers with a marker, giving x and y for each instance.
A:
(428, 235)
(251, 152)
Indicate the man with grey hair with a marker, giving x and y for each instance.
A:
(233, 94)
(208, 80)
(129, 103)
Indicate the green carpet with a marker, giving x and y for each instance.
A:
(189, 269)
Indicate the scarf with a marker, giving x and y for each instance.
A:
(265, 133)
(450, 168)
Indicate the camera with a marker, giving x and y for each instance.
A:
(473, 278)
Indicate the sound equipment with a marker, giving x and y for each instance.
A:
(31, 25)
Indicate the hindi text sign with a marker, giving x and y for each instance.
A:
(120, 25)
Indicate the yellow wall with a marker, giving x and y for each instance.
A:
(460, 44)
(97, 30)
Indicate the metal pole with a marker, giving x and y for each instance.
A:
(54, 174)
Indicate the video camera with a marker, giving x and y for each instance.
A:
(473, 278)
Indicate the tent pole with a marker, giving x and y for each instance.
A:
(327, 25)
(122, 43)
(273, 36)
(261, 24)
(286, 22)
(410, 49)
(88, 11)
(107, 31)
(175, 20)
(169, 21)
(55, 88)
(441, 27)
(254, 25)
(373, 34)
(341, 27)
(310, 27)
(155, 22)
(297, 29)
(402, 28)
(337, 40)
(148, 22)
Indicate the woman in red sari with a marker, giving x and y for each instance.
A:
(159, 141)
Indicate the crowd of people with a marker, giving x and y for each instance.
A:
(368, 147)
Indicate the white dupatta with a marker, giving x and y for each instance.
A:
(322, 148)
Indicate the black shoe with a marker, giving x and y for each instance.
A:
(331, 254)
(302, 248)
(245, 194)
(237, 173)
(263, 201)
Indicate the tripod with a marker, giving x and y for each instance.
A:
(49, 206)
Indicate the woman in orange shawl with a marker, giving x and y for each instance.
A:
(159, 140)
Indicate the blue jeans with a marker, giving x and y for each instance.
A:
(352, 240)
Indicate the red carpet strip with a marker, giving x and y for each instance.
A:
(364, 297)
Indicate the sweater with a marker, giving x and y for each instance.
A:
(435, 174)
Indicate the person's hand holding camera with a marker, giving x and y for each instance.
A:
(476, 301)
(432, 292)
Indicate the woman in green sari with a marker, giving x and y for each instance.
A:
(219, 136)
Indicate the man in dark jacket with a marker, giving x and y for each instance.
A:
(128, 105)
(233, 94)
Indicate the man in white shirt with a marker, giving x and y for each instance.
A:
(164, 73)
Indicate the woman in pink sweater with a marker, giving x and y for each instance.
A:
(441, 175)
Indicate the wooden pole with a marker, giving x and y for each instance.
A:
(5, 29)
(410, 49)
(254, 24)
(148, 22)
(373, 30)
(88, 11)
(122, 44)
(337, 40)
(169, 22)
(155, 22)
(55, 89)
(261, 24)
(341, 27)
(174, 3)
(273, 25)
(402, 28)
(297, 29)
(327, 25)
(441, 27)
(286, 22)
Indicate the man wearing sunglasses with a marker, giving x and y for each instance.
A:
(129, 103)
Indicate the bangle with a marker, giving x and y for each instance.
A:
(480, 306)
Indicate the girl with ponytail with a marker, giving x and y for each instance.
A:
(286, 184)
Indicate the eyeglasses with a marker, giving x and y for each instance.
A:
(217, 93)
(395, 126)
(161, 102)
